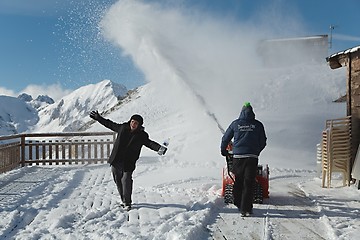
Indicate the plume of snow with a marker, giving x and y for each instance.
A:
(217, 61)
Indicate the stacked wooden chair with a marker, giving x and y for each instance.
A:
(336, 150)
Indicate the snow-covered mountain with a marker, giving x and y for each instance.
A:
(68, 113)
(16, 115)
(19, 114)
(42, 114)
(40, 102)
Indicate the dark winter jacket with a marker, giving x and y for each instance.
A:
(127, 146)
(248, 133)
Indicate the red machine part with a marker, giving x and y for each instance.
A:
(262, 177)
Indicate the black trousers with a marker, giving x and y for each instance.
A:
(124, 184)
(243, 191)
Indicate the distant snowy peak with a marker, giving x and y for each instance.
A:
(104, 87)
(40, 102)
(119, 90)
(16, 115)
(101, 96)
(25, 97)
(41, 98)
(71, 112)
(45, 99)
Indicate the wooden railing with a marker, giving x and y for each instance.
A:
(54, 148)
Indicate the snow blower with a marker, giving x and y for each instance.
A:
(261, 188)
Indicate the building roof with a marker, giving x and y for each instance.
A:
(337, 60)
(354, 49)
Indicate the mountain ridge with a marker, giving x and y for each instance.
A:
(25, 114)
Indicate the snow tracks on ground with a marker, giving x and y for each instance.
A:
(81, 202)
(298, 208)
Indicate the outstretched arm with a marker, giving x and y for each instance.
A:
(161, 150)
(105, 122)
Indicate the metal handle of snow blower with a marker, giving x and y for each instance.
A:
(228, 160)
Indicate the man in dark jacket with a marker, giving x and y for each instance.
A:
(249, 140)
(131, 136)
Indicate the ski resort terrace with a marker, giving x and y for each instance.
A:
(54, 149)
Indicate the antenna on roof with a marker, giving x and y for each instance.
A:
(332, 27)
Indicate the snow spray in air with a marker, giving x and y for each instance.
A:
(217, 60)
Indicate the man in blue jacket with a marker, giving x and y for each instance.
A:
(249, 140)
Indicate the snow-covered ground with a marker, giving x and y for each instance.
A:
(82, 203)
(176, 196)
(197, 69)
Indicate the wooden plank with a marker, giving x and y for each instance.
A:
(82, 150)
(96, 150)
(57, 149)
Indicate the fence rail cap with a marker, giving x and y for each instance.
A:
(59, 134)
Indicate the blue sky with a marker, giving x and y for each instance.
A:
(51, 45)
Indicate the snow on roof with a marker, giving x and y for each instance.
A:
(350, 50)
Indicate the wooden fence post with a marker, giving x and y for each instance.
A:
(22, 145)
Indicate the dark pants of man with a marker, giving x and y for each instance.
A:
(124, 184)
(243, 191)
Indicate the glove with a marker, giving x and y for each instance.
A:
(162, 150)
(224, 153)
(95, 115)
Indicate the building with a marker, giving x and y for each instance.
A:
(291, 51)
(350, 59)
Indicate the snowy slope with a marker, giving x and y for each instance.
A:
(169, 115)
(68, 113)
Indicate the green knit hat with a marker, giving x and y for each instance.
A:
(247, 104)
